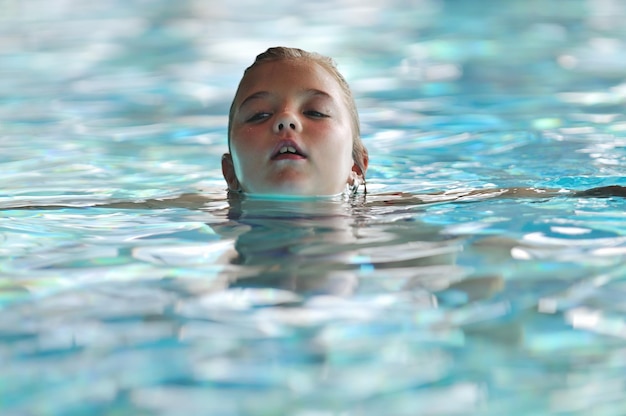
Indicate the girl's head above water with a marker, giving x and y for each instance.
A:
(293, 128)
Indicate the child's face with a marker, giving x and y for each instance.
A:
(291, 132)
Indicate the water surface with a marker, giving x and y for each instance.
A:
(433, 302)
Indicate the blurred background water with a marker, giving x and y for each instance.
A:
(391, 305)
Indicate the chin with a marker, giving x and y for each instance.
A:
(291, 189)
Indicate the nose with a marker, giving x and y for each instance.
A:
(285, 122)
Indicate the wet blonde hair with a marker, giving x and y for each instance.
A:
(359, 152)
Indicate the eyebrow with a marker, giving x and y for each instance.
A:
(265, 94)
(255, 96)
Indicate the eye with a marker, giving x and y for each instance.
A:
(315, 114)
(258, 117)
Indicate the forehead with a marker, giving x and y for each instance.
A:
(288, 75)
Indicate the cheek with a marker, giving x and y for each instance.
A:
(241, 144)
(340, 144)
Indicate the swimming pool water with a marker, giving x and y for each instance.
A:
(413, 304)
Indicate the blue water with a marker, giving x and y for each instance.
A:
(430, 302)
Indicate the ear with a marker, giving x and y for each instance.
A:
(360, 170)
(228, 170)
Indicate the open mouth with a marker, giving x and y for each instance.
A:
(288, 151)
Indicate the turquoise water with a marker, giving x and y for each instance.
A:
(416, 304)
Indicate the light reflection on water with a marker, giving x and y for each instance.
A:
(390, 304)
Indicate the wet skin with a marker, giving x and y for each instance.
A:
(291, 132)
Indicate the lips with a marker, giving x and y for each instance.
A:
(287, 149)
